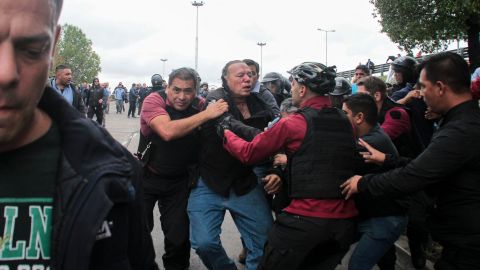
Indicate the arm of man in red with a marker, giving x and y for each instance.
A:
(288, 133)
(397, 122)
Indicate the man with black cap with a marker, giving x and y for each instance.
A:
(342, 90)
(316, 229)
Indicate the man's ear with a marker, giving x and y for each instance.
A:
(303, 90)
(359, 118)
(441, 88)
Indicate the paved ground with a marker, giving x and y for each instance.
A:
(125, 130)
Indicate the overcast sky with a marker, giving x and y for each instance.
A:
(132, 36)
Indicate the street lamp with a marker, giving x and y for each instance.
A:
(261, 56)
(326, 44)
(196, 4)
(164, 60)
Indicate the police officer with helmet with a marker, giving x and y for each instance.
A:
(275, 82)
(316, 229)
(342, 89)
(404, 73)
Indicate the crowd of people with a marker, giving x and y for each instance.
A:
(306, 165)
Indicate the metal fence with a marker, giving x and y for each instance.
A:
(380, 69)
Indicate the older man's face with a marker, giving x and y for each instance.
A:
(239, 79)
(27, 38)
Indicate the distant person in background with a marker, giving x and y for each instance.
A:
(106, 105)
(132, 98)
(142, 94)
(118, 94)
(204, 89)
(370, 65)
(96, 98)
(62, 83)
(360, 72)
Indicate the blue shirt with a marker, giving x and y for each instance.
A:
(67, 91)
(119, 93)
(354, 88)
(476, 74)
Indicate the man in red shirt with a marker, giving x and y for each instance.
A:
(316, 229)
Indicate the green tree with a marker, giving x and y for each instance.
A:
(75, 50)
(431, 24)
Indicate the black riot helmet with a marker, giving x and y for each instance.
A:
(342, 89)
(157, 80)
(407, 66)
(273, 78)
(316, 76)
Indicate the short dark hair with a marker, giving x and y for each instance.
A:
(363, 68)
(363, 103)
(61, 67)
(250, 62)
(373, 84)
(449, 68)
(184, 74)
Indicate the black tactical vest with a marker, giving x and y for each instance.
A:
(326, 157)
(172, 158)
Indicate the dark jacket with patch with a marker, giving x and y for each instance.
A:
(98, 184)
(407, 143)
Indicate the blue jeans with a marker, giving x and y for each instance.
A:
(250, 212)
(378, 234)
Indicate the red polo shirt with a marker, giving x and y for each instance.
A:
(288, 135)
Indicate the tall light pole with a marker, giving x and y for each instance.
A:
(196, 4)
(164, 60)
(261, 56)
(326, 43)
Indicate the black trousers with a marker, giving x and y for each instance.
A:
(172, 197)
(132, 108)
(297, 242)
(140, 103)
(97, 111)
(458, 259)
(417, 230)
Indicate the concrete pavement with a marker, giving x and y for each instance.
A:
(126, 131)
